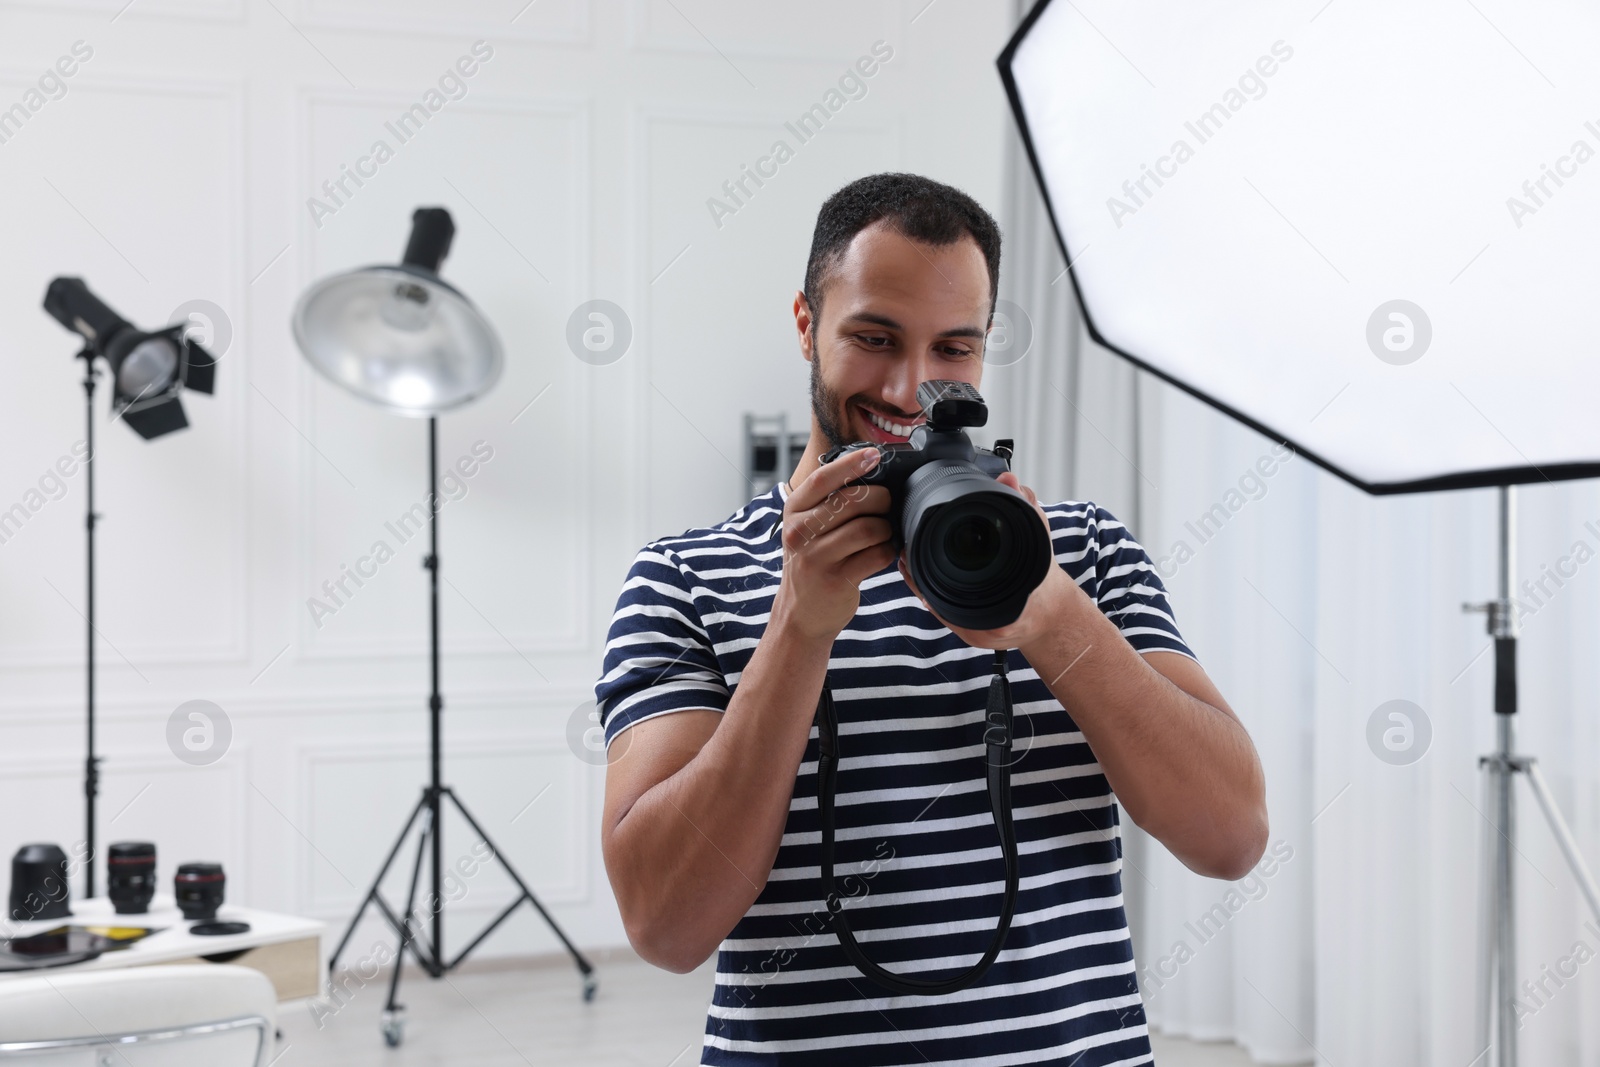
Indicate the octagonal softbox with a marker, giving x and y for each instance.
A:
(1364, 230)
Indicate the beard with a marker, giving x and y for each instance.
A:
(827, 407)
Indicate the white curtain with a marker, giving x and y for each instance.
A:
(1235, 960)
(1310, 605)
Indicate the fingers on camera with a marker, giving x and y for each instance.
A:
(831, 477)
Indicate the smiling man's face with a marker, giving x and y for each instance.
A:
(895, 313)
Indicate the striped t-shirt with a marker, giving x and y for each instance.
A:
(917, 859)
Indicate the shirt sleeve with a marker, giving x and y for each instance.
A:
(1127, 588)
(659, 658)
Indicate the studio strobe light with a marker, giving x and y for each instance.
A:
(403, 338)
(400, 336)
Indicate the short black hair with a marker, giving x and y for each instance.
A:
(921, 208)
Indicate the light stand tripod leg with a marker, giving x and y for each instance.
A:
(1563, 836)
(1487, 911)
(421, 951)
(376, 882)
(393, 1013)
(584, 966)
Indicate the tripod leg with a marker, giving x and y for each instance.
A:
(1563, 835)
(584, 966)
(376, 882)
(1488, 908)
(405, 919)
(421, 949)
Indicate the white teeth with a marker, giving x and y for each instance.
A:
(884, 424)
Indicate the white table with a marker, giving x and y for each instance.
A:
(286, 948)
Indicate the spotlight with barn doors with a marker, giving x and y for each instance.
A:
(148, 369)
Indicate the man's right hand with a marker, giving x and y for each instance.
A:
(834, 538)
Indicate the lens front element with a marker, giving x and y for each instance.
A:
(972, 541)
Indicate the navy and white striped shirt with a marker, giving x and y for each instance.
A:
(917, 856)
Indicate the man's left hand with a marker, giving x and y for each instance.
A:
(1043, 606)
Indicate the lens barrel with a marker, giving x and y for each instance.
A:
(977, 549)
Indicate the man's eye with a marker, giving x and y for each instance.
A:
(873, 342)
(957, 353)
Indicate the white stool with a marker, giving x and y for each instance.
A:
(182, 1015)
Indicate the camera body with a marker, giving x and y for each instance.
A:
(941, 439)
(977, 549)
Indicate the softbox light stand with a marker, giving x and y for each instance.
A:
(1497, 941)
(404, 339)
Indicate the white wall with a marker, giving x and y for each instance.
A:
(178, 166)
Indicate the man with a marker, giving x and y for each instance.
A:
(724, 636)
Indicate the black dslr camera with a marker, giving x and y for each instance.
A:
(977, 548)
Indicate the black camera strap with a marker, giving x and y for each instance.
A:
(997, 754)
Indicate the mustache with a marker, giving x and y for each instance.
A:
(895, 415)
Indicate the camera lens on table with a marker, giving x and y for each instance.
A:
(198, 888)
(131, 876)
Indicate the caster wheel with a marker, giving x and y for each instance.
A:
(589, 986)
(394, 1029)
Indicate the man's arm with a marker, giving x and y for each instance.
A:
(1175, 754)
(696, 803)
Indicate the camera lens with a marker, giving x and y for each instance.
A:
(977, 547)
(971, 542)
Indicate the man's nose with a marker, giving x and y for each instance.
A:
(901, 389)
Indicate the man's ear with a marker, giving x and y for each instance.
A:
(803, 324)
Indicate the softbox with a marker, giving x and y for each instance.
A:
(1362, 230)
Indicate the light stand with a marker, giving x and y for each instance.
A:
(403, 338)
(91, 764)
(1497, 942)
(149, 372)
(429, 809)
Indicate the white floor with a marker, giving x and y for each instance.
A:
(505, 1014)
